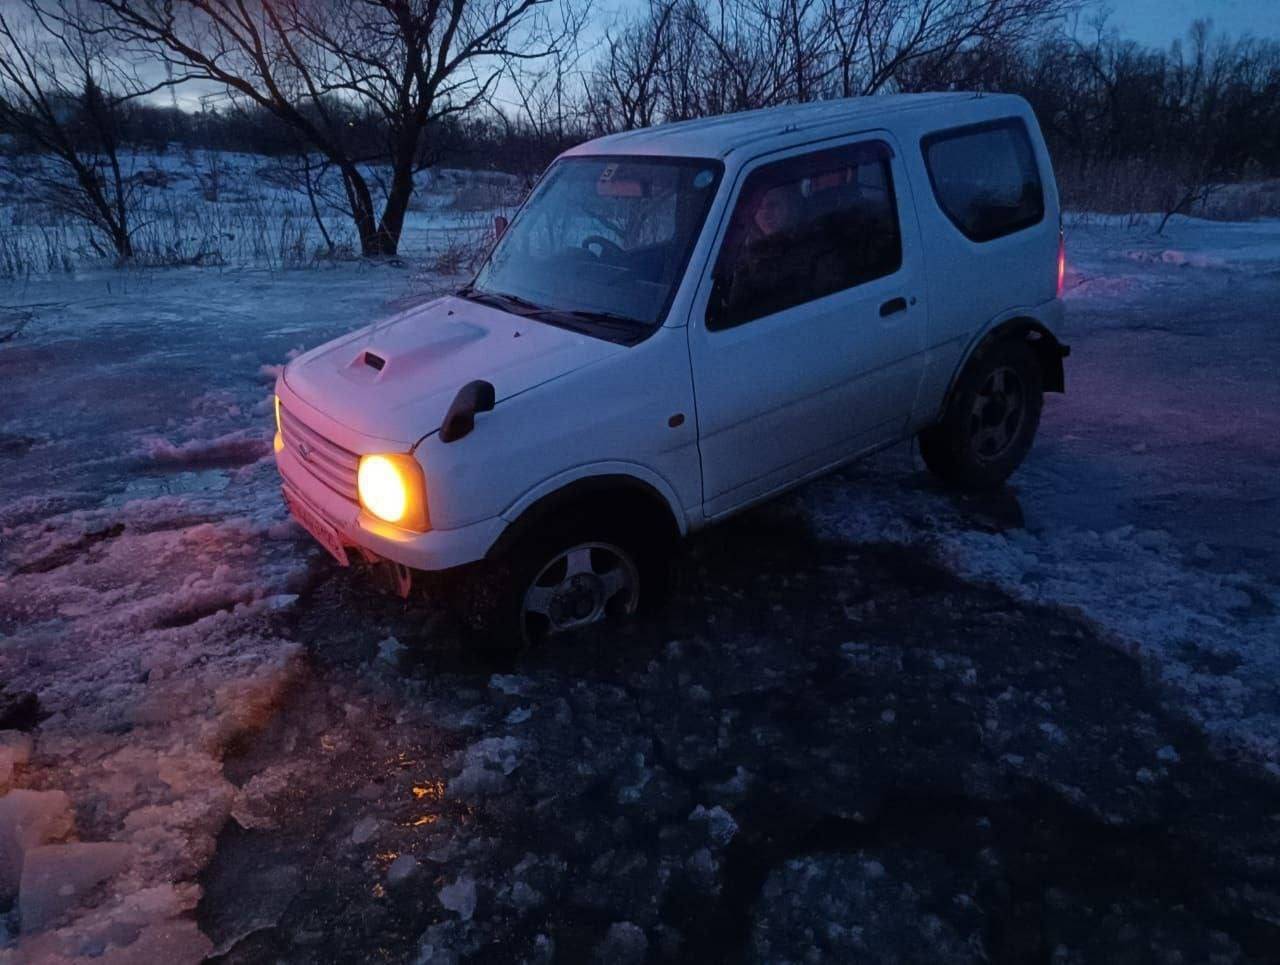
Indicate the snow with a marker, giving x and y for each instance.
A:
(145, 556)
(1149, 502)
(58, 877)
(720, 824)
(457, 896)
(848, 907)
(146, 560)
(226, 211)
(485, 766)
(403, 870)
(29, 819)
(625, 944)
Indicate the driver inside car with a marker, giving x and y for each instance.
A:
(772, 254)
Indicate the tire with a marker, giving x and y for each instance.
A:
(991, 418)
(570, 572)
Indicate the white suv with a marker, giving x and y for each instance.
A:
(678, 323)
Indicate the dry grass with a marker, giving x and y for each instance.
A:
(173, 230)
(485, 195)
(42, 250)
(461, 249)
(261, 232)
(1140, 187)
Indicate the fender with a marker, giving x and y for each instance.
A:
(582, 482)
(1024, 323)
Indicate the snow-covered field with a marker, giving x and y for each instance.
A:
(193, 652)
(219, 208)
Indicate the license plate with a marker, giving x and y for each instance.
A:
(314, 524)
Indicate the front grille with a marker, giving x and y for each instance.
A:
(327, 461)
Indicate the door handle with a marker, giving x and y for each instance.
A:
(893, 306)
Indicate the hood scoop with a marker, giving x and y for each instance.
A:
(374, 361)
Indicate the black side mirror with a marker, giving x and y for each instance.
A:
(472, 398)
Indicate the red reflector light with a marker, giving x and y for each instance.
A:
(1062, 263)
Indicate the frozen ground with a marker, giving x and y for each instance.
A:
(875, 720)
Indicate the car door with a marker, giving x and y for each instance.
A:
(807, 333)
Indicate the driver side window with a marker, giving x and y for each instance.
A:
(805, 228)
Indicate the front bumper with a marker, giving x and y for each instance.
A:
(432, 550)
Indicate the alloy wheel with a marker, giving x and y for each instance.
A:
(579, 586)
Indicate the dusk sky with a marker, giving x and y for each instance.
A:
(1153, 22)
(1157, 22)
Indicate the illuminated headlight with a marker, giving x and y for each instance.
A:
(391, 488)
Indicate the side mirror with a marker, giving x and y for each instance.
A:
(500, 223)
(473, 398)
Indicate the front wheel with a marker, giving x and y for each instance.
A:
(569, 575)
(991, 419)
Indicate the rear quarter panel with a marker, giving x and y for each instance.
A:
(973, 286)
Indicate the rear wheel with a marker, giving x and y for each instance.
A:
(991, 419)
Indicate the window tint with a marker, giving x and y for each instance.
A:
(804, 228)
(985, 178)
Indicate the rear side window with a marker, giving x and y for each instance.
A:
(985, 178)
(805, 228)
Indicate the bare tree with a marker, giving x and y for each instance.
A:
(690, 58)
(625, 88)
(65, 91)
(360, 80)
(876, 41)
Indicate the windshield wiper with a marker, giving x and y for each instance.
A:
(605, 318)
(502, 300)
(579, 320)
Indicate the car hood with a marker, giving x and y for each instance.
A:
(396, 378)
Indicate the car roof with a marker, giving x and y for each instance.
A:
(724, 134)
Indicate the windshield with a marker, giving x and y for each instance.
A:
(602, 242)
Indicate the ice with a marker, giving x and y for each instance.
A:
(241, 446)
(485, 767)
(146, 561)
(392, 652)
(18, 745)
(29, 819)
(141, 597)
(404, 869)
(1173, 257)
(624, 944)
(508, 684)
(1146, 504)
(849, 908)
(364, 830)
(458, 896)
(721, 827)
(58, 877)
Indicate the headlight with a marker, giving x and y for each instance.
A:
(391, 488)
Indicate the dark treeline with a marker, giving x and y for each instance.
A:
(480, 140)
(1137, 129)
